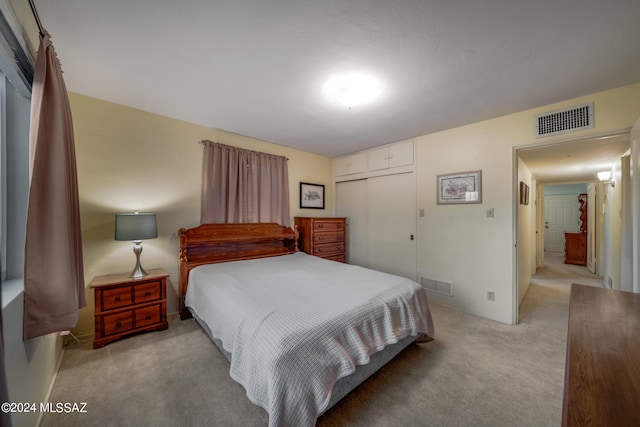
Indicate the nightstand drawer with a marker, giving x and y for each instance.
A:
(148, 315)
(147, 292)
(116, 297)
(117, 323)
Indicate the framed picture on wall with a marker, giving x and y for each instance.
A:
(311, 196)
(460, 188)
(524, 193)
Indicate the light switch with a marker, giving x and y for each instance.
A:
(490, 213)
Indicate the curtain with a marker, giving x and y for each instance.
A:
(53, 270)
(243, 186)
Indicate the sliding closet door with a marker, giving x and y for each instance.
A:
(392, 224)
(352, 203)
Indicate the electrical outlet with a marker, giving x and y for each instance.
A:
(491, 296)
(490, 213)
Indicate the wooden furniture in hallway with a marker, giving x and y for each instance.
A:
(602, 374)
(575, 248)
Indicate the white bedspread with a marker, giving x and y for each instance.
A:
(295, 324)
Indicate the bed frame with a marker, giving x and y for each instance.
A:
(214, 243)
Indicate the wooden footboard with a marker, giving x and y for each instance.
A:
(214, 243)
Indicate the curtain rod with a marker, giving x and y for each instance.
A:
(204, 141)
(35, 15)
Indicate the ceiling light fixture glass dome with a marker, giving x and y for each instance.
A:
(353, 89)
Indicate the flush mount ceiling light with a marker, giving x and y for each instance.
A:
(353, 89)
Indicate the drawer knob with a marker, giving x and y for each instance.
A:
(148, 317)
(118, 324)
(117, 298)
(146, 294)
(320, 249)
(320, 225)
(319, 237)
(340, 247)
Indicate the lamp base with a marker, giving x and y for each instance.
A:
(138, 272)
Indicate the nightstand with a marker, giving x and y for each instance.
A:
(125, 306)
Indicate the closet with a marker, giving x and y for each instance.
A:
(380, 204)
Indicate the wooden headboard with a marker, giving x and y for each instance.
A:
(213, 243)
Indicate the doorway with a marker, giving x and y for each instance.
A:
(566, 161)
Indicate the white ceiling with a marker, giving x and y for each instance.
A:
(257, 67)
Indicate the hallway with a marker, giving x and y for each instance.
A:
(560, 275)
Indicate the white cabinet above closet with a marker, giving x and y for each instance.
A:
(349, 165)
(384, 160)
(390, 156)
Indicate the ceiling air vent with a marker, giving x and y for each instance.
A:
(562, 121)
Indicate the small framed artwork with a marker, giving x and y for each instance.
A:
(311, 196)
(460, 188)
(524, 193)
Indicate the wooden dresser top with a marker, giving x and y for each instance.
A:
(602, 377)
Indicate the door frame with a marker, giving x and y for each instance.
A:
(515, 201)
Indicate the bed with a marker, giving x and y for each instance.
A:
(300, 332)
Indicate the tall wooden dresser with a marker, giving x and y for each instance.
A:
(323, 237)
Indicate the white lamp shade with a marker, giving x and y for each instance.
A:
(136, 226)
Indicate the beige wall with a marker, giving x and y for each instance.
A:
(130, 160)
(459, 243)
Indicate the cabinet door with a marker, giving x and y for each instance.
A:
(401, 154)
(350, 164)
(390, 156)
(378, 158)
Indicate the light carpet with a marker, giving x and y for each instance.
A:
(477, 372)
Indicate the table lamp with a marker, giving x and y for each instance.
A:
(137, 227)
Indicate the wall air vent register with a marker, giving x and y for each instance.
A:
(563, 121)
(437, 286)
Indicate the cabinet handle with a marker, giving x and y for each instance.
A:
(146, 294)
(118, 324)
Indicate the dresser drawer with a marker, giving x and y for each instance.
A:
(332, 236)
(326, 225)
(116, 297)
(147, 292)
(325, 249)
(148, 315)
(117, 323)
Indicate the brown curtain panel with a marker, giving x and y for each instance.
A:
(53, 271)
(243, 186)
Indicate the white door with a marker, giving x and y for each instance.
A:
(381, 222)
(392, 224)
(352, 203)
(561, 214)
